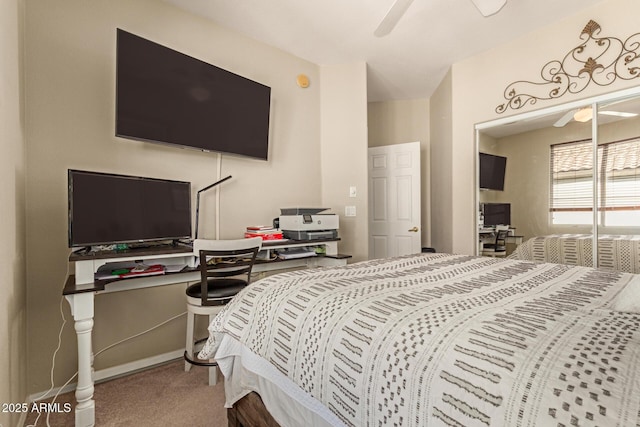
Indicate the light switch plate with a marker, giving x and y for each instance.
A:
(352, 191)
(349, 211)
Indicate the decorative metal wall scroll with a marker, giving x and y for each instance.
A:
(600, 60)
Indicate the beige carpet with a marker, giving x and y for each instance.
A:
(161, 396)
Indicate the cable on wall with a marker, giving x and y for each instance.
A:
(217, 236)
(53, 358)
(110, 346)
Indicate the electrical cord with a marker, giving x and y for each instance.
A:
(53, 359)
(95, 355)
(53, 365)
(140, 333)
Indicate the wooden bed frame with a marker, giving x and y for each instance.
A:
(250, 412)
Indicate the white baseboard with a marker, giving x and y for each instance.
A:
(112, 373)
(138, 365)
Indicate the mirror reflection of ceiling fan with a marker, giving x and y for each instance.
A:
(399, 7)
(585, 114)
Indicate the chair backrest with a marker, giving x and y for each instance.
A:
(221, 245)
(501, 239)
(225, 258)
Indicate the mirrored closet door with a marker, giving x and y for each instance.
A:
(570, 175)
(617, 184)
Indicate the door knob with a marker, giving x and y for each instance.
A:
(414, 229)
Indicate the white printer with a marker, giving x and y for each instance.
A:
(308, 224)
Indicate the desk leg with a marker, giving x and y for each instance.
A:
(82, 310)
(331, 248)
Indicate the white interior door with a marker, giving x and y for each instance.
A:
(394, 200)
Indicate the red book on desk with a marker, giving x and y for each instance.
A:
(151, 270)
(266, 235)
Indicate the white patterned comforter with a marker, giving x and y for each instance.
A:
(615, 252)
(436, 339)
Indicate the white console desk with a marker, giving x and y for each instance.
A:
(81, 288)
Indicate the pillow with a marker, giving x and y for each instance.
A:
(628, 299)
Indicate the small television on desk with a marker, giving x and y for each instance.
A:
(496, 214)
(107, 209)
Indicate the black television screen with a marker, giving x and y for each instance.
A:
(496, 213)
(492, 169)
(108, 209)
(168, 97)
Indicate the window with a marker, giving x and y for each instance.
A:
(618, 168)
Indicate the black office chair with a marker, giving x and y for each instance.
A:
(499, 247)
(225, 269)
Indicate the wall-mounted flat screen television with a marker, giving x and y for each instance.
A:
(168, 97)
(492, 170)
(108, 209)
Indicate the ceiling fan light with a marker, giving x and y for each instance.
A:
(489, 7)
(622, 114)
(583, 115)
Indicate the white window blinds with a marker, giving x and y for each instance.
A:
(618, 169)
(571, 176)
(620, 175)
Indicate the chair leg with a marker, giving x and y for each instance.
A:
(213, 370)
(213, 375)
(190, 346)
(189, 343)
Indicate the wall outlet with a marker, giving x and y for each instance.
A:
(349, 211)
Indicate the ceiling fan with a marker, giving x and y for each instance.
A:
(399, 7)
(585, 114)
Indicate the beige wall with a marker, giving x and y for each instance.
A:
(441, 166)
(344, 151)
(13, 373)
(478, 87)
(70, 74)
(527, 177)
(398, 122)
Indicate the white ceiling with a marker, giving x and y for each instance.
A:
(408, 63)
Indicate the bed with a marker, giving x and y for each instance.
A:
(433, 339)
(615, 252)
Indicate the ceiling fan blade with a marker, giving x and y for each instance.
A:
(398, 8)
(489, 7)
(568, 116)
(617, 113)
